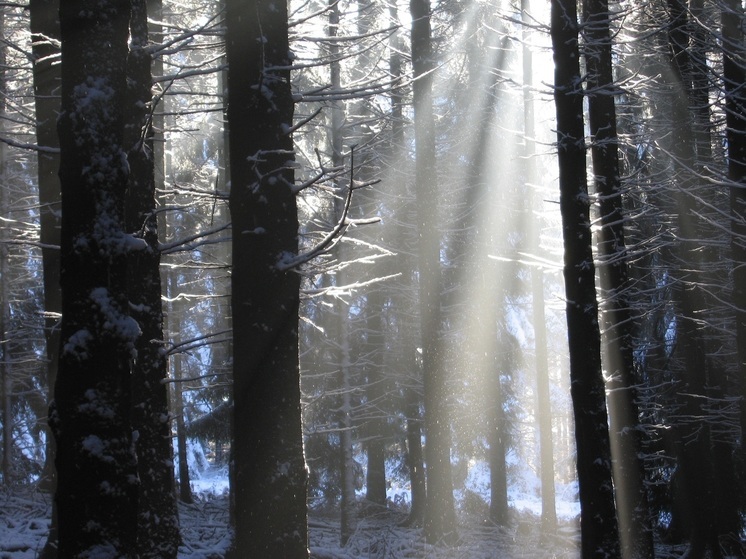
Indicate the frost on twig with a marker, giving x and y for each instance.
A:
(288, 261)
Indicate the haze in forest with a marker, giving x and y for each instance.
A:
(372, 278)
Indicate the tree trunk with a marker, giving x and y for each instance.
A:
(598, 524)
(341, 328)
(628, 470)
(415, 462)
(711, 518)
(270, 478)
(185, 483)
(347, 465)
(543, 401)
(158, 528)
(500, 356)
(6, 379)
(45, 31)
(734, 76)
(44, 23)
(375, 395)
(175, 315)
(440, 516)
(96, 465)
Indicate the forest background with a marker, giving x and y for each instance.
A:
(374, 216)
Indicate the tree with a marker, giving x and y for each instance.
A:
(543, 402)
(734, 76)
(631, 494)
(158, 525)
(598, 524)
(709, 512)
(269, 473)
(97, 477)
(440, 518)
(44, 24)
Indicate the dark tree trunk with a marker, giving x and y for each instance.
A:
(270, 479)
(631, 494)
(499, 362)
(705, 467)
(185, 483)
(598, 524)
(440, 516)
(404, 266)
(97, 474)
(175, 314)
(158, 526)
(374, 391)
(6, 375)
(415, 461)
(734, 76)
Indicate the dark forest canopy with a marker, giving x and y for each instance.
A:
(409, 264)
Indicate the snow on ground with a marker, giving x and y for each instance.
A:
(24, 523)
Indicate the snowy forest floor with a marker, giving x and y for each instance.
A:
(24, 524)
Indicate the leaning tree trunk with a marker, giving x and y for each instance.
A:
(628, 469)
(598, 525)
(270, 478)
(97, 474)
(158, 524)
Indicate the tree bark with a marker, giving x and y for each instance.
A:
(158, 525)
(598, 524)
(440, 516)
(543, 400)
(628, 470)
(96, 465)
(44, 24)
(710, 517)
(270, 478)
(734, 76)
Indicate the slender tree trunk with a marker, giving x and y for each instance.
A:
(631, 494)
(6, 379)
(415, 460)
(96, 465)
(44, 23)
(270, 477)
(45, 32)
(440, 516)
(185, 483)
(347, 503)
(414, 457)
(158, 528)
(543, 401)
(734, 76)
(598, 524)
(7, 391)
(375, 394)
(497, 364)
(175, 315)
(704, 466)
(336, 139)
